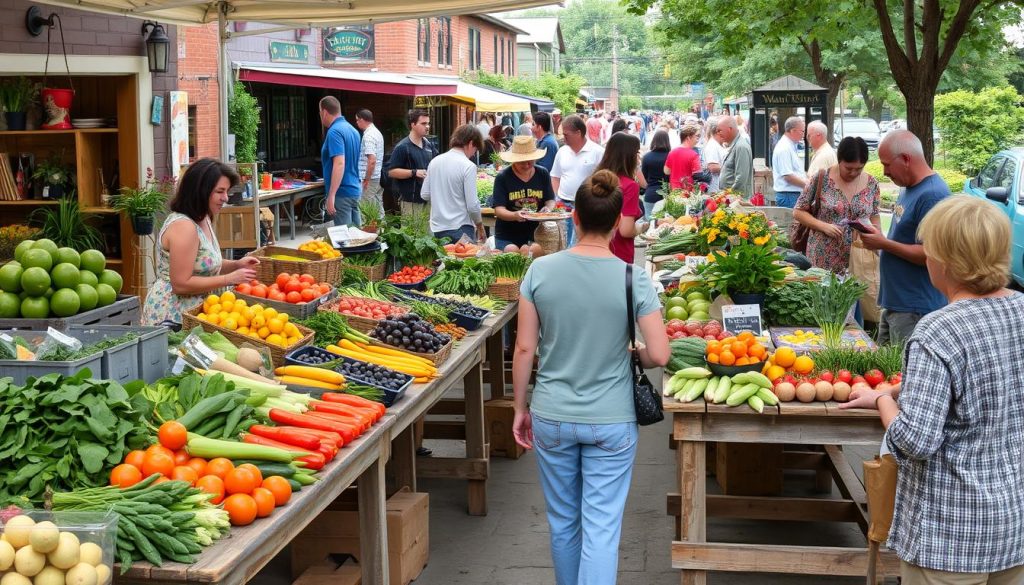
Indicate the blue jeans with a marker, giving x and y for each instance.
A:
(456, 234)
(585, 472)
(570, 230)
(786, 198)
(346, 211)
(649, 209)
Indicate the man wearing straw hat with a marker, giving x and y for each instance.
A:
(520, 187)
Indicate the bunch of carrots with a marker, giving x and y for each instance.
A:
(321, 431)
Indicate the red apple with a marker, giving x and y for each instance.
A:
(859, 379)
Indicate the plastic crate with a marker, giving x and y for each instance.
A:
(390, 396)
(123, 311)
(120, 363)
(150, 354)
(23, 370)
(467, 322)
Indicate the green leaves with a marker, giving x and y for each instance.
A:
(244, 123)
(747, 269)
(789, 305)
(975, 126)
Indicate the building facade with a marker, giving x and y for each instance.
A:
(540, 49)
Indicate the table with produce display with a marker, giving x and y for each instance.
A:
(285, 199)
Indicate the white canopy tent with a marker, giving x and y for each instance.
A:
(288, 14)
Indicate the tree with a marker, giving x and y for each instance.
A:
(930, 34)
(561, 89)
(244, 123)
(977, 125)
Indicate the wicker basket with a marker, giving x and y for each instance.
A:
(323, 270)
(362, 324)
(298, 310)
(506, 291)
(437, 358)
(277, 353)
(372, 273)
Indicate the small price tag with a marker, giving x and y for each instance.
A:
(62, 338)
(178, 367)
(695, 262)
(736, 318)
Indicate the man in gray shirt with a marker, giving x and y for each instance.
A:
(371, 159)
(738, 166)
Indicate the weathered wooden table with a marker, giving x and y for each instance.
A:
(791, 423)
(237, 558)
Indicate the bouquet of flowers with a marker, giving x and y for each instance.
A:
(727, 225)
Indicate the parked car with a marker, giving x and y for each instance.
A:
(865, 128)
(896, 124)
(1000, 182)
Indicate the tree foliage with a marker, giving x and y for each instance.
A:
(975, 126)
(244, 123)
(562, 89)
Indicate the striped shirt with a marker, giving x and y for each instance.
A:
(959, 439)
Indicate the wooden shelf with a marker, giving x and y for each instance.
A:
(49, 132)
(104, 210)
(30, 202)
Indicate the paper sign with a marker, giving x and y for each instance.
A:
(694, 262)
(178, 367)
(736, 318)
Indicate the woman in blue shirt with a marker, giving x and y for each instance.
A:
(582, 421)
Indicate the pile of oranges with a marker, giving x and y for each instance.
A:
(320, 247)
(257, 321)
(242, 491)
(785, 361)
(740, 350)
(288, 288)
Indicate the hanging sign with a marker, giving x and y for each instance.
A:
(737, 318)
(282, 52)
(788, 99)
(349, 44)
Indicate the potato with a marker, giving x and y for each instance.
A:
(15, 579)
(28, 561)
(6, 555)
(67, 554)
(44, 537)
(81, 574)
(49, 576)
(91, 553)
(17, 530)
(103, 574)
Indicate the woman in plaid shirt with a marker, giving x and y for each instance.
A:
(957, 429)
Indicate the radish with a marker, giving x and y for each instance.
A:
(874, 377)
(845, 376)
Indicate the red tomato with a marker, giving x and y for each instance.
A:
(308, 295)
(292, 286)
(282, 279)
(307, 279)
(293, 297)
(259, 291)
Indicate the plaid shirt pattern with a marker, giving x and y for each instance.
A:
(959, 439)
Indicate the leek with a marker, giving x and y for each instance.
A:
(831, 302)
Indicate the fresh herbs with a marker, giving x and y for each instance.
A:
(674, 243)
(511, 266)
(831, 302)
(887, 358)
(63, 353)
(748, 268)
(64, 432)
(789, 304)
(368, 259)
(463, 277)
(409, 244)
(431, 312)
(328, 327)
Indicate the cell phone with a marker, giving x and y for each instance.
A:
(860, 227)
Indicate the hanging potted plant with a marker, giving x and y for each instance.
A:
(16, 96)
(142, 204)
(54, 175)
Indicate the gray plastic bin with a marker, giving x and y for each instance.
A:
(149, 353)
(23, 370)
(120, 363)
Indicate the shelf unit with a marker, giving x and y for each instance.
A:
(89, 151)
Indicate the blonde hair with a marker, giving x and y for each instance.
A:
(971, 239)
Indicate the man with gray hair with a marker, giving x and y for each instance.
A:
(738, 166)
(824, 155)
(713, 153)
(787, 168)
(905, 290)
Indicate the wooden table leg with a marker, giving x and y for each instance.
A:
(693, 491)
(476, 442)
(496, 365)
(373, 537)
(402, 466)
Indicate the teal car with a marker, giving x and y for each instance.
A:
(1000, 182)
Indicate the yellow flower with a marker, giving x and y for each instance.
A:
(712, 235)
(711, 257)
(732, 225)
(762, 240)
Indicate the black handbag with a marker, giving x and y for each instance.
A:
(646, 399)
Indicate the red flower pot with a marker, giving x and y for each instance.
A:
(57, 108)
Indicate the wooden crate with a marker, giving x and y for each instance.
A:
(331, 573)
(499, 415)
(337, 531)
(749, 469)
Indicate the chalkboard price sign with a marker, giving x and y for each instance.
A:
(737, 318)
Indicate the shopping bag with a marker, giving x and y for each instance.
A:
(864, 266)
(880, 485)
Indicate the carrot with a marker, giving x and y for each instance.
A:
(320, 374)
(284, 417)
(361, 421)
(292, 436)
(356, 401)
(361, 417)
(313, 461)
(324, 435)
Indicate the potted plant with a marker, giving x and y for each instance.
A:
(142, 204)
(745, 272)
(54, 175)
(67, 226)
(369, 214)
(16, 96)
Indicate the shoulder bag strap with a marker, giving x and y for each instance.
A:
(816, 203)
(629, 313)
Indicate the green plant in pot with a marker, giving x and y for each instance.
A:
(67, 226)
(143, 203)
(369, 214)
(54, 175)
(16, 95)
(745, 273)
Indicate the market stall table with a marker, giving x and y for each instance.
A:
(291, 197)
(696, 423)
(237, 557)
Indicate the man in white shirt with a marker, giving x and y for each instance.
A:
(450, 188)
(575, 161)
(787, 168)
(371, 159)
(824, 155)
(713, 154)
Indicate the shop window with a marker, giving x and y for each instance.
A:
(423, 41)
(474, 49)
(502, 56)
(287, 118)
(495, 52)
(192, 133)
(444, 40)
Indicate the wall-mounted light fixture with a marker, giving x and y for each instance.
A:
(157, 46)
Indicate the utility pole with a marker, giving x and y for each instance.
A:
(615, 67)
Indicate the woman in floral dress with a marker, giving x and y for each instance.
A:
(847, 195)
(190, 264)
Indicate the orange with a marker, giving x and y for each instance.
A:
(738, 348)
(726, 358)
(240, 481)
(125, 475)
(714, 347)
(275, 325)
(264, 502)
(198, 464)
(173, 435)
(185, 473)
(280, 487)
(227, 297)
(241, 509)
(212, 484)
(784, 357)
(712, 358)
(803, 365)
(745, 336)
(157, 462)
(158, 448)
(254, 470)
(775, 372)
(756, 350)
(135, 459)
(728, 340)
(181, 457)
(219, 467)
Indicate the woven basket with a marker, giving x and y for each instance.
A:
(277, 353)
(372, 273)
(299, 310)
(323, 270)
(551, 236)
(506, 291)
(363, 324)
(437, 358)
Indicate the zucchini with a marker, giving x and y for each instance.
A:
(268, 468)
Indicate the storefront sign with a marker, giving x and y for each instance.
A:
(349, 44)
(742, 318)
(281, 52)
(789, 98)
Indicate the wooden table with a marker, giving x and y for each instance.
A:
(237, 558)
(290, 196)
(791, 423)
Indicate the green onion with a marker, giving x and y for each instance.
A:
(831, 303)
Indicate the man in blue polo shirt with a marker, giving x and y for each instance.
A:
(340, 160)
(905, 291)
(542, 132)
